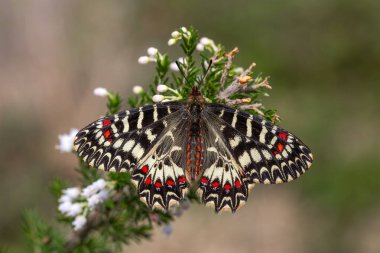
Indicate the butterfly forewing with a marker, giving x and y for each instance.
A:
(117, 143)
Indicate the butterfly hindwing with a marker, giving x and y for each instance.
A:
(160, 177)
(266, 152)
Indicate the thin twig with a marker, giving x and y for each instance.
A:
(256, 107)
(230, 57)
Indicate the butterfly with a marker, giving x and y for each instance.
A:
(173, 146)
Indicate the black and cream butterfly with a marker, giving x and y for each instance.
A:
(169, 147)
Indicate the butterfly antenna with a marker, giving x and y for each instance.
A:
(207, 72)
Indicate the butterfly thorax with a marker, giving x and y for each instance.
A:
(194, 145)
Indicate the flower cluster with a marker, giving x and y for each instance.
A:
(177, 35)
(77, 204)
(151, 57)
(206, 43)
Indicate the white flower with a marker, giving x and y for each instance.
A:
(200, 47)
(100, 92)
(162, 88)
(103, 195)
(74, 209)
(157, 98)
(79, 222)
(64, 207)
(65, 198)
(172, 41)
(137, 89)
(152, 51)
(173, 66)
(99, 184)
(93, 201)
(66, 141)
(205, 41)
(176, 35)
(143, 59)
(72, 192)
(98, 198)
(89, 191)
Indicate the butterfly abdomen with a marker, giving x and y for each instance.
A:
(194, 147)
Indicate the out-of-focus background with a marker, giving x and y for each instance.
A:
(323, 58)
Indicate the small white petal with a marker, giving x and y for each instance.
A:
(137, 89)
(79, 222)
(171, 42)
(157, 98)
(152, 51)
(205, 41)
(74, 210)
(175, 34)
(66, 141)
(200, 47)
(100, 92)
(162, 88)
(143, 59)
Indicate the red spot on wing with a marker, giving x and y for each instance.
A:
(106, 122)
(109, 140)
(107, 133)
(280, 147)
(283, 136)
(170, 182)
(237, 183)
(148, 180)
(204, 180)
(275, 152)
(158, 184)
(227, 187)
(144, 169)
(182, 179)
(215, 184)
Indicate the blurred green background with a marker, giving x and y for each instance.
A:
(323, 58)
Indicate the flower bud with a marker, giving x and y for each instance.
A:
(143, 60)
(137, 89)
(205, 41)
(157, 98)
(162, 88)
(152, 51)
(171, 42)
(200, 47)
(101, 92)
(175, 34)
